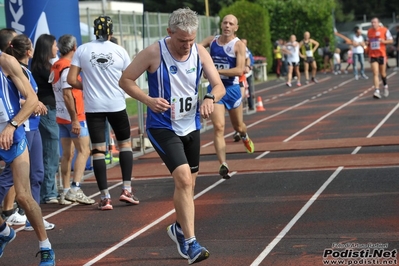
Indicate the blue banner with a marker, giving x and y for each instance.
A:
(36, 17)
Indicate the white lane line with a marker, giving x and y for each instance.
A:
(323, 117)
(378, 127)
(288, 227)
(262, 120)
(261, 155)
(149, 226)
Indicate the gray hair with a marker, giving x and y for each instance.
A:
(184, 19)
(66, 43)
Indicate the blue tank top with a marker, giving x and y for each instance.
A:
(177, 82)
(9, 106)
(32, 124)
(224, 57)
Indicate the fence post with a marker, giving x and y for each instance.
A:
(120, 27)
(393, 17)
(364, 18)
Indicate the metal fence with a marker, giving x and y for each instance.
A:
(136, 31)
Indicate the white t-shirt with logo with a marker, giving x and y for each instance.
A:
(358, 49)
(102, 64)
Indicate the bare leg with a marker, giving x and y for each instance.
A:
(183, 198)
(306, 69)
(314, 69)
(236, 118)
(66, 161)
(376, 79)
(20, 169)
(9, 199)
(82, 145)
(218, 121)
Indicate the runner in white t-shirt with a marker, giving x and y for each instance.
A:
(102, 63)
(358, 43)
(292, 49)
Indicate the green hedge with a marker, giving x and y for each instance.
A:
(253, 22)
(297, 16)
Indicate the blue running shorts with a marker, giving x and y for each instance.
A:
(66, 130)
(232, 99)
(16, 150)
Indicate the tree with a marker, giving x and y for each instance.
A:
(253, 21)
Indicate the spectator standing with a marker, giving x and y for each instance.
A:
(358, 43)
(46, 50)
(71, 121)
(102, 63)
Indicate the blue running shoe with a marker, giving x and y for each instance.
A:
(47, 257)
(196, 252)
(4, 240)
(178, 238)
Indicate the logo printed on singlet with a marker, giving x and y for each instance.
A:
(101, 60)
(173, 69)
(190, 70)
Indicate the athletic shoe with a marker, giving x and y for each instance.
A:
(79, 196)
(346, 71)
(52, 201)
(178, 238)
(386, 91)
(307, 81)
(105, 204)
(288, 84)
(299, 84)
(356, 77)
(377, 94)
(315, 80)
(249, 145)
(196, 252)
(4, 240)
(62, 200)
(128, 197)
(16, 218)
(295, 77)
(47, 226)
(236, 137)
(224, 171)
(47, 257)
(364, 76)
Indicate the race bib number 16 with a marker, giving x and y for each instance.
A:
(182, 107)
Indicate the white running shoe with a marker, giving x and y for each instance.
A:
(47, 225)
(377, 94)
(16, 218)
(386, 91)
(78, 196)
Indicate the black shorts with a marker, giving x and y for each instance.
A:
(119, 122)
(309, 60)
(176, 150)
(380, 60)
(294, 64)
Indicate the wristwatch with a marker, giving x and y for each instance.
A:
(209, 96)
(14, 123)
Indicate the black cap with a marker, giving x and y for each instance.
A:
(103, 26)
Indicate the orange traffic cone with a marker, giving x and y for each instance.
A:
(112, 149)
(259, 105)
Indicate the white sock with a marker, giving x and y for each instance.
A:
(75, 189)
(190, 240)
(6, 231)
(45, 244)
(66, 191)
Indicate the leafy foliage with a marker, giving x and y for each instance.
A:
(253, 21)
(297, 16)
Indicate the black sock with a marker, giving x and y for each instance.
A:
(126, 164)
(384, 80)
(8, 213)
(100, 172)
